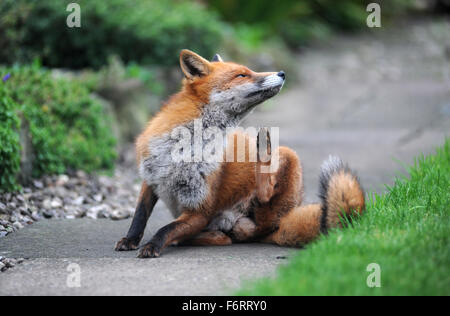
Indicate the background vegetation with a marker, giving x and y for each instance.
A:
(299, 22)
(66, 127)
(405, 231)
(143, 31)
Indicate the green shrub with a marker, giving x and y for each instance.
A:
(143, 31)
(9, 142)
(69, 130)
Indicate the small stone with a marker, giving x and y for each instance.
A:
(24, 211)
(81, 174)
(35, 216)
(2, 207)
(99, 211)
(55, 203)
(78, 201)
(38, 184)
(27, 190)
(98, 197)
(3, 234)
(2, 266)
(119, 215)
(27, 220)
(20, 260)
(48, 214)
(62, 179)
(18, 225)
(47, 204)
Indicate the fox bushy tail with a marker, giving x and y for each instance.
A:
(340, 192)
(341, 197)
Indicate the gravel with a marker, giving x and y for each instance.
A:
(69, 196)
(72, 196)
(8, 263)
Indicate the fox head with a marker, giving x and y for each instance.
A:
(226, 87)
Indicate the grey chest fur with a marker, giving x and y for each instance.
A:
(180, 184)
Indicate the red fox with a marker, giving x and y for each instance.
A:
(210, 197)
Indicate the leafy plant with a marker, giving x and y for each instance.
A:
(9, 142)
(69, 130)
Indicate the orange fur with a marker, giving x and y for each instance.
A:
(299, 227)
(211, 238)
(344, 197)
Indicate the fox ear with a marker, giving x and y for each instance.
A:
(193, 65)
(217, 58)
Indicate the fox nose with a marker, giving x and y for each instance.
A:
(282, 75)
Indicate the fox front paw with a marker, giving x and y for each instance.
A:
(149, 250)
(126, 244)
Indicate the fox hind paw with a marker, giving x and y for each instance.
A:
(149, 250)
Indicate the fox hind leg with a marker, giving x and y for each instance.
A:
(208, 238)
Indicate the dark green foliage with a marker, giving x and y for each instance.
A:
(9, 142)
(298, 22)
(68, 129)
(144, 31)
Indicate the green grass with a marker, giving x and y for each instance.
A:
(406, 231)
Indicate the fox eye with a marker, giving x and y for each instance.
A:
(241, 76)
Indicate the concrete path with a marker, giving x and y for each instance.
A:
(54, 245)
(376, 100)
